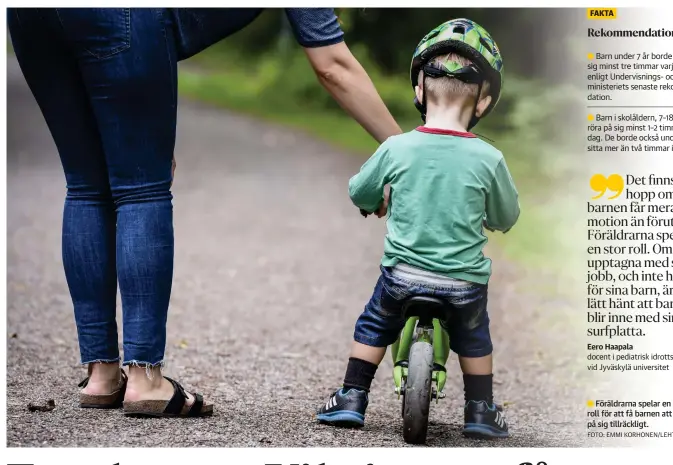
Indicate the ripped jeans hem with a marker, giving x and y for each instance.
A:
(148, 366)
(101, 360)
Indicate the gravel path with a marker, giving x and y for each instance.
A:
(273, 265)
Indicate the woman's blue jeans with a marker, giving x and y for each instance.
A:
(106, 82)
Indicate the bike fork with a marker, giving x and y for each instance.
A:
(430, 332)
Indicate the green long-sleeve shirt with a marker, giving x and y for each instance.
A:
(444, 186)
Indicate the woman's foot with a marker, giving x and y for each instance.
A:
(149, 384)
(104, 379)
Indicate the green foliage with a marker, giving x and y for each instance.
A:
(531, 125)
(527, 37)
(531, 109)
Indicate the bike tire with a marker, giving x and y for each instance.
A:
(418, 393)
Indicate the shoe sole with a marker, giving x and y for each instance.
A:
(102, 406)
(474, 430)
(156, 409)
(345, 419)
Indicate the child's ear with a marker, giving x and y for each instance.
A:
(419, 93)
(483, 105)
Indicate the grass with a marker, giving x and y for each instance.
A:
(530, 243)
(225, 90)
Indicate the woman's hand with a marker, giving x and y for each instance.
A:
(173, 165)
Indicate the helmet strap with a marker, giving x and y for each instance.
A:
(425, 98)
(475, 119)
(422, 106)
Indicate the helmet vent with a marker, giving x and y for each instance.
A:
(460, 29)
(432, 34)
(486, 45)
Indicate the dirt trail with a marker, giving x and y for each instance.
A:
(273, 265)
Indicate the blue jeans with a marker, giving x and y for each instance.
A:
(466, 318)
(105, 80)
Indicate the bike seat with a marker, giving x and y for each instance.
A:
(425, 308)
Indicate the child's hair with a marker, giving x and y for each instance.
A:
(439, 89)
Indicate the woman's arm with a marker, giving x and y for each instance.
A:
(345, 79)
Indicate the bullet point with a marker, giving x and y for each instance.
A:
(590, 117)
(590, 403)
(590, 56)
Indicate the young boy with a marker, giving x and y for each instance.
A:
(446, 185)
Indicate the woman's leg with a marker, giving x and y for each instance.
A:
(88, 241)
(131, 80)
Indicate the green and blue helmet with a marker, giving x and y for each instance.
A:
(468, 39)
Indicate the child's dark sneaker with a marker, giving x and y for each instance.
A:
(345, 408)
(484, 421)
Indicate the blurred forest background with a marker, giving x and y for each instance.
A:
(263, 71)
(265, 62)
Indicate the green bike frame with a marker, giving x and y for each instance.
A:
(439, 340)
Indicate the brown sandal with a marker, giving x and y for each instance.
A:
(176, 407)
(112, 400)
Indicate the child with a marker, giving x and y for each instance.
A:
(446, 185)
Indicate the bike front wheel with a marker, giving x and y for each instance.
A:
(418, 393)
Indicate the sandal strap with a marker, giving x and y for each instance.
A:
(174, 406)
(195, 411)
